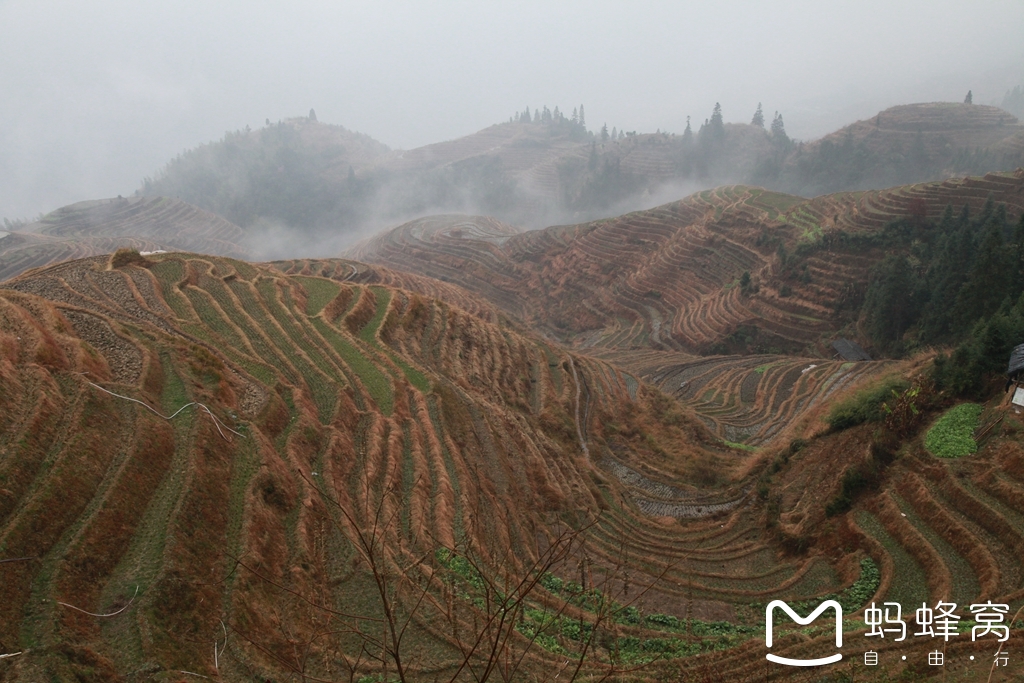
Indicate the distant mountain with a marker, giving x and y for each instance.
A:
(331, 184)
(905, 144)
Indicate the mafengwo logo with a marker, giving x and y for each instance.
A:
(803, 621)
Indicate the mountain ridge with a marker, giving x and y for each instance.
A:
(534, 174)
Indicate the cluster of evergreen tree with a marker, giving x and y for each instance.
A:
(853, 164)
(575, 125)
(958, 281)
(979, 161)
(984, 353)
(704, 154)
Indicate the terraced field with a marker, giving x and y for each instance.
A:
(670, 278)
(751, 400)
(461, 429)
(365, 388)
(342, 270)
(446, 418)
(103, 226)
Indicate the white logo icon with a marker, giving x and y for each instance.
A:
(803, 621)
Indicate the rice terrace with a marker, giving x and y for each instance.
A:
(462, 450)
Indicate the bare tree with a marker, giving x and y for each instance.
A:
(493, 609)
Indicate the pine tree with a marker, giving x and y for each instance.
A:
(604, 132)
(778, 127)
(987, 283)
(970, 98)
(312, 115)
(889, 302)
(965, 216)
(583, 120)
(758, 119)
(575, 116)
(944, 279)
(949, 274)
(986, 211)
(615, 134)
(717, 124)
(688, 134)
(1017, 281)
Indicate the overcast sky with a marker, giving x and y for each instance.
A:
(96, 95)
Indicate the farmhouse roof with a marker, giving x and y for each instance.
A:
(850, 350)
(1016, 362)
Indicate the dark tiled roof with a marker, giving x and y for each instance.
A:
(850, 350)
(1016, 361)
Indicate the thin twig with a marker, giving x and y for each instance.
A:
(112, 614)
(18, 559)
(12, 654)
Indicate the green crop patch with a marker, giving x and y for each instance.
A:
(865, 405)
(319, 292)
(168, 274)
(375, 381)
(369, 333)
(911, 588)
(952, 435)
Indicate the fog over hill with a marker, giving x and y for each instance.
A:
(300, 187)
(97, 97)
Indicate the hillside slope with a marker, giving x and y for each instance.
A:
(102, 226)
(672, 277)
(905, 144)
(466, 431)
(327, 405)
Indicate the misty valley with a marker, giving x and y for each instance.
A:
(544, 402)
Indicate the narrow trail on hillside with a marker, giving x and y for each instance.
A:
(579, 429)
